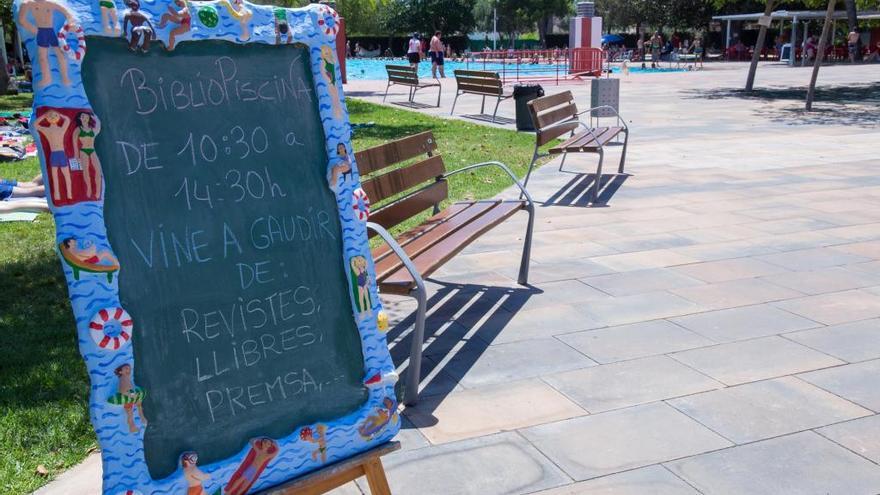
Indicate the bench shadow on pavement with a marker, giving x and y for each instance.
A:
(578, 191)
(462, 321)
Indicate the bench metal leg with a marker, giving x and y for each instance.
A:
(452, 112)
(623, 154)
(529, 172)
(496, 109)
(386, 92)
(483, 106)
(598, 184)
(562, 163)
(439, 92)
(414, 375)
(412, 93)
(523, 278)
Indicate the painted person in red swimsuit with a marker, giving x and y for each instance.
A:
(181, 17)
(88, 255)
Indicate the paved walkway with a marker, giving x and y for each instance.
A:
(715, 329)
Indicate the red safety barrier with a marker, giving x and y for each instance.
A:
(532, 65)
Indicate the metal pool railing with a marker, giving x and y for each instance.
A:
(557, 65)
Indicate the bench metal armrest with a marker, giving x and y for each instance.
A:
(495, 164)
(395, 247)
(607, 107)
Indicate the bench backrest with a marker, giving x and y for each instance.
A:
(402, 74)
(479, 81)
(551, 110)
(419, 184)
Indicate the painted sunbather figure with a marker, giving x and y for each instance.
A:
(88, 255)
(193, 475)
(181, 17)
(88, 128)
(43, 12)
(53, 127)
(142, 32)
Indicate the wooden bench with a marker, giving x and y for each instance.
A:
(557, 115)
(401, 263)
(404, 75)
(482, 83)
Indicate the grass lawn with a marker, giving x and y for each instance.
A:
(44, 417)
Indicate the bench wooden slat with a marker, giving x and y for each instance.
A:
(390, 215)
(557, 115)
(385, 155)
(546, 136)
(543, 103)
(431, 223)
(400, 282)
(389, 264)
(481, 90)
(586, 142)
(398, 181)
(403, 79)
(476, 73)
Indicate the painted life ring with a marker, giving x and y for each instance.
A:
(360, 203)
(329, 21)
(111, 328)
(80, 51)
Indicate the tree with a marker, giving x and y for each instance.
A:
(823, 41)
(449, 16)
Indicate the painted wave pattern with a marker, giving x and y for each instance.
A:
(122, 452)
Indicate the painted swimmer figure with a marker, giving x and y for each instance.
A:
(44, 12)
(181, 17)
(142, 32)
(53, 127)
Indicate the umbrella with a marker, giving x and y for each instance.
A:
(612, 38)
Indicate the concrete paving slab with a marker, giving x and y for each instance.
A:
(630, 383)
(838, 307)
(637, 308)
(799, 464)
(654, 480)
(752, 360)
(546, 321)
(861, 436)
(607, 345)
(733, 293)
(822, 281)
(491, 409)
(640, 281)
(770, 408)
(729, 325)
(854, 382)
(498, 464)
(514, 361)
(732, 269)
(813, 259)
(616, 441)
(853, 342)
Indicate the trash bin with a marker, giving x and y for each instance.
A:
(522, 94)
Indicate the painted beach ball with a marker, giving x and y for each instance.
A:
(208, 16)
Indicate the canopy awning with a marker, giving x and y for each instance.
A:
(800, 15)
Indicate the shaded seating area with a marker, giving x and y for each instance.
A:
(557, 115)
(403, 261)
(404, 75)
(480, 83)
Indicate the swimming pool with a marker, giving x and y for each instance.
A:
(360, 69)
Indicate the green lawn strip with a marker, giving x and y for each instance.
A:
(44, 418)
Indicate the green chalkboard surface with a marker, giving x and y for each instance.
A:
(218, 209)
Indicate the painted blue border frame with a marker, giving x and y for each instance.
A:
(125, 471)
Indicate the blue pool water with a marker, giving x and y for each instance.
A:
(374, 69)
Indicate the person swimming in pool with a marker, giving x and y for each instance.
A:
(43, 12)
(109, 19)
(130, 396)
(328, 71)
(88, 255)
(281, 25)
(342, 168)
(142, 32)
(319, 437)
(53, 127)
(193, 475)
(181, 17)
(88, 129)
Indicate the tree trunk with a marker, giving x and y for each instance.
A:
(823, 42)
(852, 20)
(762, 35)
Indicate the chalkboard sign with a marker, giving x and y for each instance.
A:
(212, 230)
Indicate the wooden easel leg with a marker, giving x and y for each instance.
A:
(376, 477)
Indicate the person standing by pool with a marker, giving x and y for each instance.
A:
(414, 52)
(435, 51)
(852, 43)
(656, 46)
(640, 46)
